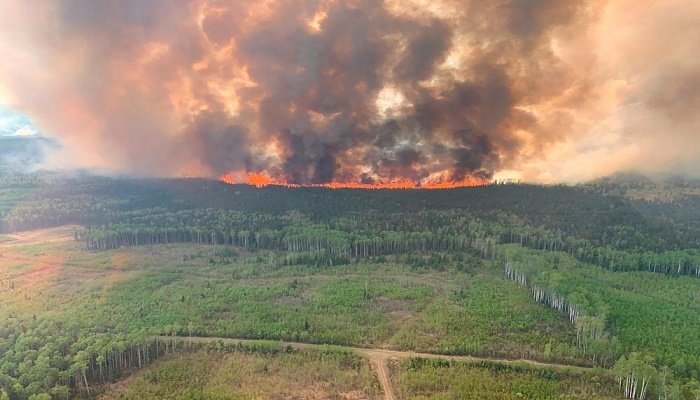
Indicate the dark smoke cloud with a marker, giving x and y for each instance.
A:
(322, 90)
(221, 142)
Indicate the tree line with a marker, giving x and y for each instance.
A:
(367, 235)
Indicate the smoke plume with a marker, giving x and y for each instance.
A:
(365, 91)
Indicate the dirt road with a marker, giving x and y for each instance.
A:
(379, 358)
(381, 368)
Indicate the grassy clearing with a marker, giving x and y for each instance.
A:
(489, 316)
(442, 380)
(303, 374)
(191, 289)
(44, 279)
(209, 291)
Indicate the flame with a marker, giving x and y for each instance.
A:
(227, 179)
(262, 179)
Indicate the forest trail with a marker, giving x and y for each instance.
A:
(57, 234)
(379, 358)
(381, 368)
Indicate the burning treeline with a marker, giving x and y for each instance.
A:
(357, 92)
(262, 180)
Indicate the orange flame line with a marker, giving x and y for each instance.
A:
(262, 179)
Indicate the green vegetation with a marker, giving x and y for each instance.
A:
(85, 306)
(490, 317)
(360, 304)
(13, 189)
(241, 373)
(437, 380)
(591, 275)
(650, 313)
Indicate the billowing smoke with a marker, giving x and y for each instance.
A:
(368, 91)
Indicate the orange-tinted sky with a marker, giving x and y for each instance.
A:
(360, 91)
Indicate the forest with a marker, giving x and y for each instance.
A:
(603, 275)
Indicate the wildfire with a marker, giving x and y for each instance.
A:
(262, 179)
(227, 179)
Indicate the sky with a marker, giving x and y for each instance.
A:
(367, 91)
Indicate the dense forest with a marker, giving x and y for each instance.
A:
(617, 259)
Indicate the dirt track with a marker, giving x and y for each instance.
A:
(381, 368)
(379, 358)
